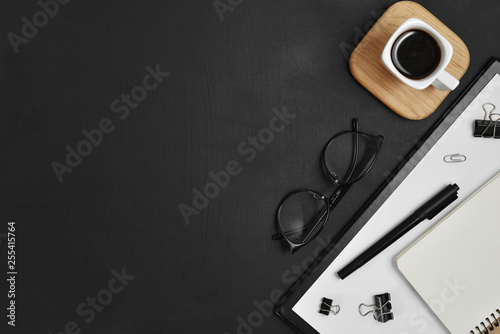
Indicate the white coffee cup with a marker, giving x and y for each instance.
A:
(439, 78)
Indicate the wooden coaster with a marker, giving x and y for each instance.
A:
(369, 71)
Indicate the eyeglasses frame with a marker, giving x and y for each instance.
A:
(342, 186)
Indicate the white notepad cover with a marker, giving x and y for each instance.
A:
(455, 266)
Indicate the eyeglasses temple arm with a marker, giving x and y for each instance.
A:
(355, 151)
(355, 124)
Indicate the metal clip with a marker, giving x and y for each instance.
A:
(486, 111)
(381, 308)
(490, 122)
(454, 158)
(327, 307)
(485, 128)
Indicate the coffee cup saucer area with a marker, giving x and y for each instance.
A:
(410, 98)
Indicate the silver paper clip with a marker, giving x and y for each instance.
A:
(454, 158)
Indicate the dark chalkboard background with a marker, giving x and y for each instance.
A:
(117, 212)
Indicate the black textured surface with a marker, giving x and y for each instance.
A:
(119, 207)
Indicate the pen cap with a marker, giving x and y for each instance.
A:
(440, 201)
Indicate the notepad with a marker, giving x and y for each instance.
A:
(455, 266)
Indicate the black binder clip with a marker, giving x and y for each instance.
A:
(326, 307)
(485, 128)
(381, 308)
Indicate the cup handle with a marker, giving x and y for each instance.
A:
(445, 81)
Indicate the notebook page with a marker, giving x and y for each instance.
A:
(454, 267)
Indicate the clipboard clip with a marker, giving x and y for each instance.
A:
(454, 158)
(488, 128)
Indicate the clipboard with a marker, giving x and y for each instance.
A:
(285, 307)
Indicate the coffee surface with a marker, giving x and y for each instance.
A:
(416, 54)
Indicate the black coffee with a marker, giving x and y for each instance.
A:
(416, 54)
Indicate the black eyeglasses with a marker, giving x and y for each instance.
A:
(347, 158)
